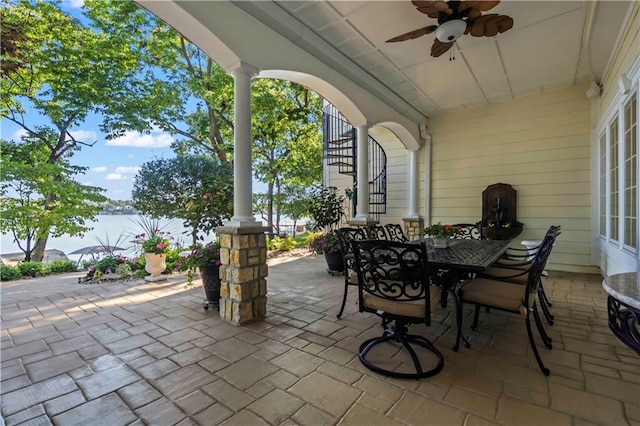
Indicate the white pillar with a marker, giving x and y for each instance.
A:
(412, 189)
(242, 171)
(362, 212)
(427, 179)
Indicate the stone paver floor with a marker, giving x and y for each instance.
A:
(147, 353)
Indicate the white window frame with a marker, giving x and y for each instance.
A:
(625, 254)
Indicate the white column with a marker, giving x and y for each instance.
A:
(427, 179)
(362, 153)
(242, 171)
(412, 189)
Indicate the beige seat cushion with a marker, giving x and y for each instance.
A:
(513, 275)
(500, 294)
(413, 308)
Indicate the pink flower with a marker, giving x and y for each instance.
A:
(160, 246)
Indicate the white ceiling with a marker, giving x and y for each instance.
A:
(548, 47)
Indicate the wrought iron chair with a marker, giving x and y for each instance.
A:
(396, 233)
(516, 266)
(511, 297)
(394, 284)
(345, 237)
(468, 231)
(376, 232)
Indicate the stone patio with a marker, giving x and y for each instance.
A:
(147, 353)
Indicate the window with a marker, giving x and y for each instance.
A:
(603, 184)
(613, 181)
(631, 173)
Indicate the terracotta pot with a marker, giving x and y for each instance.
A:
(155, 264)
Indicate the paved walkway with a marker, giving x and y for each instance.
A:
(147, 353)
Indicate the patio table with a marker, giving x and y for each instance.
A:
(462, 258)
(623, 307)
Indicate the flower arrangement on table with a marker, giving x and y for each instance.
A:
(324, 243)
(438, 230)
(200, 257)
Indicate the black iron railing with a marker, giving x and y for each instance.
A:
(340, 151)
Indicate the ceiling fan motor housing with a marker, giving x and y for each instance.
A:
(450, 31)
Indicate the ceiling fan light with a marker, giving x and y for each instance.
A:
(450, 31)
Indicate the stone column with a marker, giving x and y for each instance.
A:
(413, 227)
(243, 273)
(243, 247)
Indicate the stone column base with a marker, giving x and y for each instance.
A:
(243, 272)
(413, 227)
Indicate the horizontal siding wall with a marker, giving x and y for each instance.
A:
(541, 146)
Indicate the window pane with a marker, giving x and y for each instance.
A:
(631, 172)
(614, 180)
(603, 184)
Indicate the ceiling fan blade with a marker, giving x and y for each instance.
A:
(438, 48)
(432, 8)
(413, 34)
(483, 5)
(490, 25)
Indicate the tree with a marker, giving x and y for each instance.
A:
(287, 146)
(194, 188)
(26, 206)
(296, 204)
(65, 71)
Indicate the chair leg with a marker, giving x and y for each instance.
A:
(544, 295)
(344, 298)
(532, 342)
(459, 334)
(476, 316)
(545, 306)
(543, 334)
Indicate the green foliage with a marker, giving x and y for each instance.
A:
(8, 273)
(108, 264)
(324, 243)
(196, 189)
(124, 270)
(60, 266)
(327, 207)
(286, 244)
(30, 269)
(438, 230)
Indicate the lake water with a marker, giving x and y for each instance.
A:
(117, 230)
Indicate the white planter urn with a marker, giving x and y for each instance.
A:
(155, 265)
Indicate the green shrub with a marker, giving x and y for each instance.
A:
(286, 244)
(30, 269)
(272, 243)
(8, 273)
(107, 263)
(124, 270)
(60, 266)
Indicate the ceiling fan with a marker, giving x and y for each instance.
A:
(456, 18)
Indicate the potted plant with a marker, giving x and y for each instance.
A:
(326, 209)
(155, 246)
(441, 234)
(207, 260)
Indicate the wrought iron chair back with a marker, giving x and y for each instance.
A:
(396, 233)
(376, 232)
(468, 231)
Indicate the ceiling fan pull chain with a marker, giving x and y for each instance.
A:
(452, 53)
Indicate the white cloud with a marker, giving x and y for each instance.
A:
(84, 135)
(115, 176)
(18, 134)
(99, 169)
(127, 170)
(74, 4)
(156, 139)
